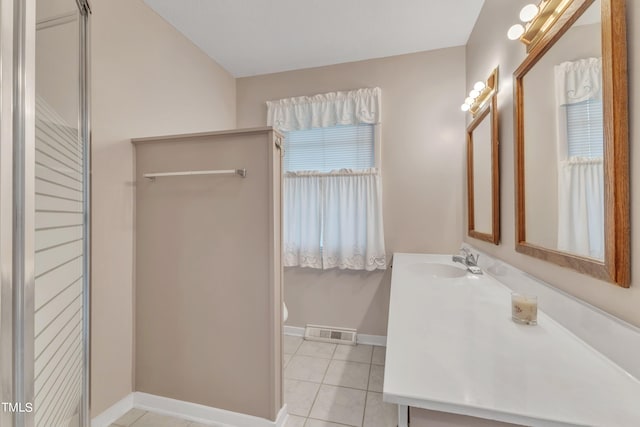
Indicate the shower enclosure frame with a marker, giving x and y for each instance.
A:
(17, 208)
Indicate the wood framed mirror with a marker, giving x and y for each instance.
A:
(483, 173)
(572, 147)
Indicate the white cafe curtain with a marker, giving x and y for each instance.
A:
(302, 219)
(334, 220)
(581, 207)
(325, 110)
(580, 180)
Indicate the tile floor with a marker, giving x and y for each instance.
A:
(325, 385)
(329, 385)
(140, 418)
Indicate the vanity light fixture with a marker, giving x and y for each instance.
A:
(479, 86)
(537, 19)
(481, 92)
(515, 32)
(529, 12)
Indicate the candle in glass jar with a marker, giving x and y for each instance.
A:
(524, 309)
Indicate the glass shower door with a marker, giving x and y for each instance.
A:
(60, 320)
(44, 213)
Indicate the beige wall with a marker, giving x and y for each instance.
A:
(423, 157)
(488, 46)
(208, 313)
(147, 79)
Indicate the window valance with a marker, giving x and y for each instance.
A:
(324, 110)
(578, 81)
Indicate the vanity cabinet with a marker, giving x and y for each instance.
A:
(424, 418)
(452, 349)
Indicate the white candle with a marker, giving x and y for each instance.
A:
(524, 309)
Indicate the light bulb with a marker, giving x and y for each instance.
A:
(479, 86)
(474, 94)
(468, 101)
(465, 107)
(515, 32)
(528, 12)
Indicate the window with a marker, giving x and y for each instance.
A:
(332, 199)
(330, 148)
(580, 142)
(332, 189)
(585, 134)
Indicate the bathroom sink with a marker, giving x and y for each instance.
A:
(434, 269)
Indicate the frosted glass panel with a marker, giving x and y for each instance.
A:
(58, 218)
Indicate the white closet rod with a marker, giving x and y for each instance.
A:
(239, 172)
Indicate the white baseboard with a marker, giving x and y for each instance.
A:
(111, 414)
(293, 331)
(282, 417)
(380, 340)
(184, 410)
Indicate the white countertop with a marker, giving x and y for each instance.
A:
(452, 347)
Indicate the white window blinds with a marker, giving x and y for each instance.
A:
(585, 134)
(330, 148)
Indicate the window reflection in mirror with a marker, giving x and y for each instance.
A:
(564, 176)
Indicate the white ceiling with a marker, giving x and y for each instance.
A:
(251, 37)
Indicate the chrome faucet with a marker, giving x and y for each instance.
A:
(468, 260)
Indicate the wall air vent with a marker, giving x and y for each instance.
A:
(330, 334)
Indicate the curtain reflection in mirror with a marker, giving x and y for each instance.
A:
(580, 157)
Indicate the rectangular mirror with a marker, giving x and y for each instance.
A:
(572, 143)
(483, 184)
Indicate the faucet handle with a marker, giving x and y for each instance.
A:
(469, 257)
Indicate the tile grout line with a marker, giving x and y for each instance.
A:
(312, 382)
(364, 407)
(322, 382)
(348, 361)
(324, 376)
(315, 398)
(366, 393)
(331, 385)
(333, 422)
(137, 419)
(298, 347)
